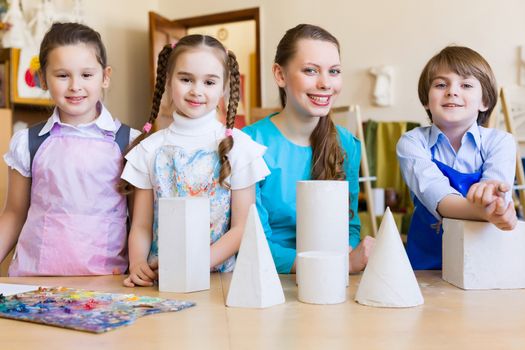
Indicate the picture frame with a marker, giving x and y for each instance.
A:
(17, 75)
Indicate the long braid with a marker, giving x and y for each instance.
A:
(227, 143)
(124, 187)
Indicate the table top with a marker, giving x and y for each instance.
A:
(451, 318)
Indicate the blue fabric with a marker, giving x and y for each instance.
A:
(424, 242)
(288, 164)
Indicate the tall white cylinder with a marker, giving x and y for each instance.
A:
(320, 277)
(323, 217)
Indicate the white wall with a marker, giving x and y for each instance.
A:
(401, 33)
(123, 25)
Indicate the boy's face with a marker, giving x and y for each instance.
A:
(454, 101)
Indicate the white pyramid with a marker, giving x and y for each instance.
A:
(255, 283)
(388, 280)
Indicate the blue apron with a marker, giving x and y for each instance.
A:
(424, 243)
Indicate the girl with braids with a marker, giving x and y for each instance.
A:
(195, 156)
(63, 206)
(303, 142)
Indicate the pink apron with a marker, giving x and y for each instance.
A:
(76, 224)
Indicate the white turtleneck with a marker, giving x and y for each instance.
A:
(205, 132)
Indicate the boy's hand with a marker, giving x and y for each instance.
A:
(141, 274)
(501, 215)
(483, 194)
(490, 196)
(359, 256)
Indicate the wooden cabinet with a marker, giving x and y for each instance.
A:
(6, 122)
(15, 108)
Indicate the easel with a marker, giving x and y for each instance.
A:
(366, 179)
(507, 111)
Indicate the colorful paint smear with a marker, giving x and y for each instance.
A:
(83, 310)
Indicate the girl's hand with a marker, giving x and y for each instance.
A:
(359, 256)
(141, 274)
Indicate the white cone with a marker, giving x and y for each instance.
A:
(255, 282)
(388, 279)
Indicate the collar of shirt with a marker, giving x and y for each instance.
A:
(104, 121)
(195, 126)
(436, 135)
(467, 159)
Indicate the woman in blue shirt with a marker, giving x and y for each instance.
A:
(303, 142)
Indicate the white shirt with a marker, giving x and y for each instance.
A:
(492, 150)
(206, 132)
(18, 157)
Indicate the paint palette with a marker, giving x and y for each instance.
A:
(84, 310)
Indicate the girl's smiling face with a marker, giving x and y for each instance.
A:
(75, 79)
(197, 83)
(311, 78)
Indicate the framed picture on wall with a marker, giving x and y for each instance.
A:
(26, 87)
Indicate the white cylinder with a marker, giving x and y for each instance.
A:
(322, 217)
(379, 201)
(320, 277)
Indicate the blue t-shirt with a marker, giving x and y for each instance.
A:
(288, 164)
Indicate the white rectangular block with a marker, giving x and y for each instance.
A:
(184, 244)
(478, 255)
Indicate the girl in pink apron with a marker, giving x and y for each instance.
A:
(63, 206)
(195, 156)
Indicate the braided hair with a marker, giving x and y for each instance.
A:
(227, 143)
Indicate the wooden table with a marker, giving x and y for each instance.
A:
(450, 319)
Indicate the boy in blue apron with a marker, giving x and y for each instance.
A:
(456, 168)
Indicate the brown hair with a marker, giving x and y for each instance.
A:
(62, 34)
(165, 66)
(464, 62)
(327, 154)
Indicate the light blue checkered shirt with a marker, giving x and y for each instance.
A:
(492, 150)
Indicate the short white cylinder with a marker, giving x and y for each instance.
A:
(321, 277)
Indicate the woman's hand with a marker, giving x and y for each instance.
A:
(359, 256)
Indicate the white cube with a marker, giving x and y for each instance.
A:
(184, 244)
(478, 255)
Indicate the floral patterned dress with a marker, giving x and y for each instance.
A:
(182, 173)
